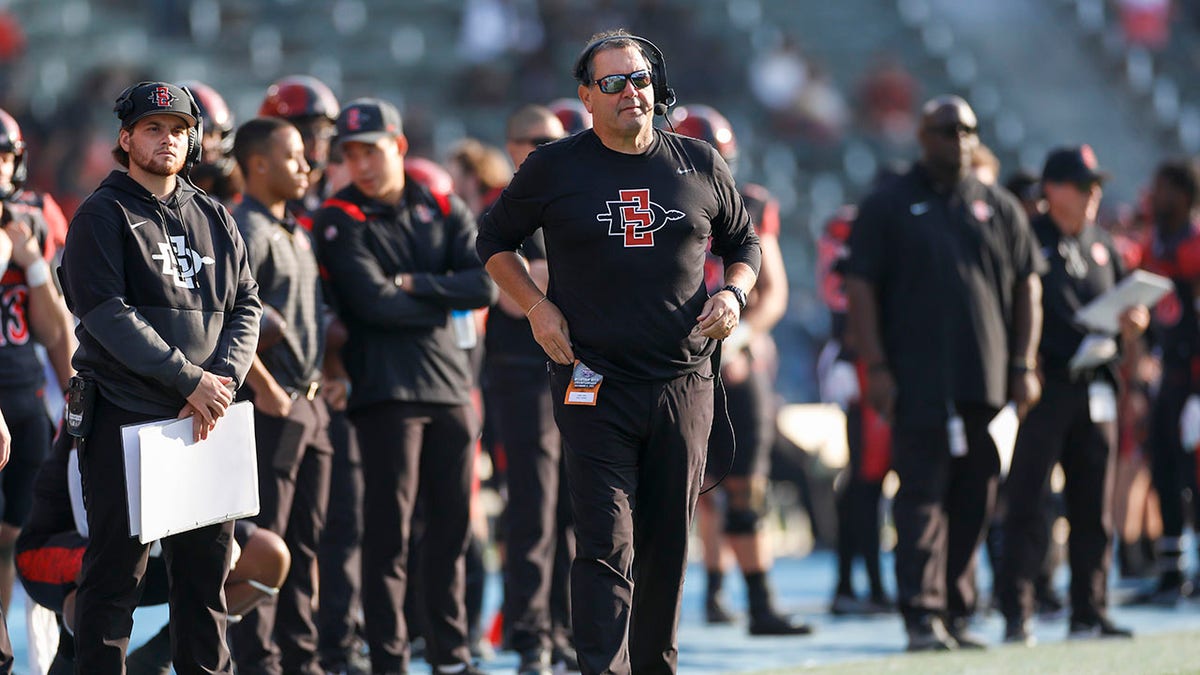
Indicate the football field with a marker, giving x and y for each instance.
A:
(1167, 640)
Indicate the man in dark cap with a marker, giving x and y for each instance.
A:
(401, 258)
(158, 277)
(945, 310)
(1075, 421)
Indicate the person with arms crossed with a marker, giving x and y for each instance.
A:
(627, 212)
(158, 276)
(400, 259)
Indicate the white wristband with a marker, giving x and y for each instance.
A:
(37, 274)
(3, 266)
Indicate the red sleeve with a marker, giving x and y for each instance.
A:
(1187, 257)
(56, 225)
(763, 208)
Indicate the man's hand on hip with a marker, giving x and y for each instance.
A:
(550, 330)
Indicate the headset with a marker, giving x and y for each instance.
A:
(664, 95)
(125, 105)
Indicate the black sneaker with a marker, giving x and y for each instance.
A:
(959, 628)
(880, 603)
(1100, 627)
(1049, 603)
(460, 669)
(715, 611)
(535, 662)
(153, 657)
(1018, 633)
(1170, 589)
(564, 660)
(927, 633)
(844, 604)
(777, 624)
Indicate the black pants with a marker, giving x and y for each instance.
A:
(30, 428)
(535, 528)
(294, 457)
(340, 555)
(634, 464)
(406, 447)
(6, 651)
(1173, 470)
(751, 407)
(858, 512)
(1060, 429)
(114, 564)
(940, 511)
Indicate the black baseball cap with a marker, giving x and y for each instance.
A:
(154, 98)
(1076, 164)
(366, 120)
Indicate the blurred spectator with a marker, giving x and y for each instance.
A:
(479, 172)
(822, 109)
(1146, 23)
(887, 97)
(777, 78)
(494, 28)
(12, 38)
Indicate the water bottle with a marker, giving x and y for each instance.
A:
(463, 321)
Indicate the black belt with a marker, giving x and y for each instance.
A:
(305, 391)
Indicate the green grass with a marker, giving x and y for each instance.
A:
(1154, 654)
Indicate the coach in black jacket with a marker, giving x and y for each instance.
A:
(157, 275)
(399, 260)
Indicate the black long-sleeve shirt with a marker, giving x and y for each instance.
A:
(163, 293)
(626, 238)
(401, 345)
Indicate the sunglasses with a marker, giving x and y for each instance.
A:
(536, 140)
(615, 84)
(954, 130)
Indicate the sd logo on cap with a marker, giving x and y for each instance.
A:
(153, 98)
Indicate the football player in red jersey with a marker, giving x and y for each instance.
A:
(748, 365)
(1172, 249)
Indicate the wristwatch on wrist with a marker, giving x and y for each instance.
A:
(1020, 365)
(737, 293)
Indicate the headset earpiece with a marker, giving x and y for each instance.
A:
(124, 104)
(195, 134)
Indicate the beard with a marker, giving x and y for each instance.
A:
(155, 164)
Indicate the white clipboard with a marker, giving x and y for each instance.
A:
(175, 485)
(1103, 315)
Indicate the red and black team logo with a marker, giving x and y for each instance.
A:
(161, 97)
(635, 218)
(353, 119)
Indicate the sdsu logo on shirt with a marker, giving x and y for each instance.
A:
(635, 218)
(180, 262)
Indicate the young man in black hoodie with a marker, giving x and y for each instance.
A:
(157, 274)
